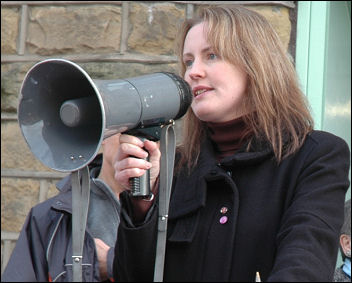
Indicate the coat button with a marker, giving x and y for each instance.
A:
(223, 220)
(223, 210)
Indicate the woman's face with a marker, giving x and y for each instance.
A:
(218, 87)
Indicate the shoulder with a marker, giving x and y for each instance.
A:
(40, 221)
(321, 143)
(43, 207)
(326, 138)
(323, 155)
(44, 211)
(324, 152)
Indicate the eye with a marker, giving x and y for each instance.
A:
(212, 56)
(188, 62)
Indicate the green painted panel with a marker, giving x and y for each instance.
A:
(323, 64)
(310, 54)
(337, 112)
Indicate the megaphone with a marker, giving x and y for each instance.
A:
(64, 115)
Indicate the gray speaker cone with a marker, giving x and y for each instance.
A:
(45, 88)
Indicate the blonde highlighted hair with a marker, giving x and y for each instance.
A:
(245, 38)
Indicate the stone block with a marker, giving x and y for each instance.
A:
(153, 27)
(15, 153)
(74, 29)
(12, 75)
(279, 18)
(9, 30)
(17, 198)
(52, 191)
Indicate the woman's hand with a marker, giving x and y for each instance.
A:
(130, 163)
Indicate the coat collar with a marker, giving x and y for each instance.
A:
(189, 192)
(63, 201)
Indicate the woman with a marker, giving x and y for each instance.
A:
(256, 189)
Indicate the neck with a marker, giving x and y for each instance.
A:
(107, 175)
(228, 137)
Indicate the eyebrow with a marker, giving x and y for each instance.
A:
(204, 50)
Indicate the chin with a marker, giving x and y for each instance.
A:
(206, 114)
(205, 117)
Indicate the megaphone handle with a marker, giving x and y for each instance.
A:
(140, 186)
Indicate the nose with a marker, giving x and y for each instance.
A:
(197, 70)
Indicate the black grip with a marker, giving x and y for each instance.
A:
(140, 186)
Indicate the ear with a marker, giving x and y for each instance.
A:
(345, 242)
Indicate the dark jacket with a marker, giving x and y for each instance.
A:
(43, 251)
(282, 220)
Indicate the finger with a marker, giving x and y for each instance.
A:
(154, 159)
(128, 149)
(152, 148)
(124, 176)
(132, 162)
(131, 139)
(151, 145)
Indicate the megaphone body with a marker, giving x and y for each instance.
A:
(64, 115)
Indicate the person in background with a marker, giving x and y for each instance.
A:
(43, 251)
(343, 273)
(256, 189)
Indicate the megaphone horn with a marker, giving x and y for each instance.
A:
(64, 115)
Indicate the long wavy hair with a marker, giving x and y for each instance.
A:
(246, 39)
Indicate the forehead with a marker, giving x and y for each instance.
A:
(196, 38)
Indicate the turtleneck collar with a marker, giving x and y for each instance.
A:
(228, 137)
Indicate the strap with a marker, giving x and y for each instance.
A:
(80, 203)
(167, 148)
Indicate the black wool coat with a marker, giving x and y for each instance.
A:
(244, 215)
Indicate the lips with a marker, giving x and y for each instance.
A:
(199, 90)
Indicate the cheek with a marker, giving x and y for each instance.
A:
(238, 87)
(236, 77)
(187, 78)
(238, 91)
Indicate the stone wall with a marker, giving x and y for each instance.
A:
(110, 40)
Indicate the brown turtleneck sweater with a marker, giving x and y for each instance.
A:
(228, 137)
